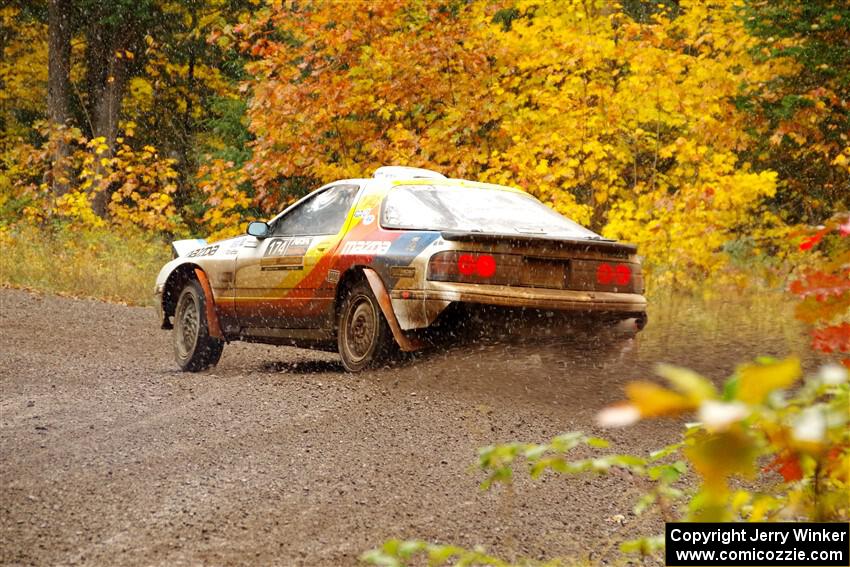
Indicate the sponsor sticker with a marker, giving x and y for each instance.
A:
(206, 251)
(366, 216)
(403, 272)
(333, 276)
(414, 242)
(367, 247)
(299, 246)
(287, 246)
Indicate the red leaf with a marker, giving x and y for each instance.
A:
(820, 284)
(788, 465)
(808, 243)
(834, 338)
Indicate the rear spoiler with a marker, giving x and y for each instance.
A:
(182, 247)
(553, 242)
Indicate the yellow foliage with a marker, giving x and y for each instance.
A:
(76, 206)
(227, 201)
(626, 126)
(141, 184)
(719, 456)
(652, 400)
(757, 380)
(23, 73)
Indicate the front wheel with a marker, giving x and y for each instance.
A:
(194, 348)
(363, 336)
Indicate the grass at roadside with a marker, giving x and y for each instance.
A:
(112, 264)
(120, 265)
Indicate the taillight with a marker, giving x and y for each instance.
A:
(466, 264)
(485, 266)
(620, 274)
(464, 267)
(605, 274)
(482, 265)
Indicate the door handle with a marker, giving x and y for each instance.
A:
(322, 247)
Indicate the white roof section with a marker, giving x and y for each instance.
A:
(402, 172)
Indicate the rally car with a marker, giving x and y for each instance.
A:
(367, 265)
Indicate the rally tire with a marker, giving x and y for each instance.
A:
(194, 348)
(363, 336)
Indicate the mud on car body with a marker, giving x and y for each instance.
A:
(361, 264)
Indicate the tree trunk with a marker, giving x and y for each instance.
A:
(106, 112)
(107, 109)
(58, 87)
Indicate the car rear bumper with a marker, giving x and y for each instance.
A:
(419, 308)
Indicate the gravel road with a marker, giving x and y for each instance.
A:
(109, 456)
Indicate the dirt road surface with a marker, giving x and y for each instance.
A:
(109, 456)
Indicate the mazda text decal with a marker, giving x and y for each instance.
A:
(367, 247)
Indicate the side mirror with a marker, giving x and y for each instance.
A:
(259, 229)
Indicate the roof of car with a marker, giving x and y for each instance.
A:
(403, 175)
(405, 172)
(457, 183)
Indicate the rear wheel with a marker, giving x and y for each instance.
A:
(363, 336)
(194, 348)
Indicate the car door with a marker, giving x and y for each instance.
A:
(278, 279)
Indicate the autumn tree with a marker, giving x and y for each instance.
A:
(140, 73)
(801, 120)
(628, 125)
(59, 84)
(184, 99)
(695, 130)
(23, 72)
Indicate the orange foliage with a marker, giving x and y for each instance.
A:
(823, 286)
(626, 126)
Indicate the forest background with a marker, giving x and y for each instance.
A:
(713, 134)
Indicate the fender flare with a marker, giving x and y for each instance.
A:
(406, 343)
(209, 305)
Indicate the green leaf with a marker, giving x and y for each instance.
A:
(566, 441)
(439, 554)
(535, 452)
(644, 545)
(381, 559)
(645, 502)
(730, 388)
(687, 382)
(408, 548)
(626, 461)
(665, 451)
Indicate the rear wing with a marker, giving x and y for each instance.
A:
(603, 245)
(180, 248)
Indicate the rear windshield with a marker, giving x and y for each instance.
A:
(470, 209)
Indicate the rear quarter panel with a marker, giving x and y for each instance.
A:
(367, 244)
